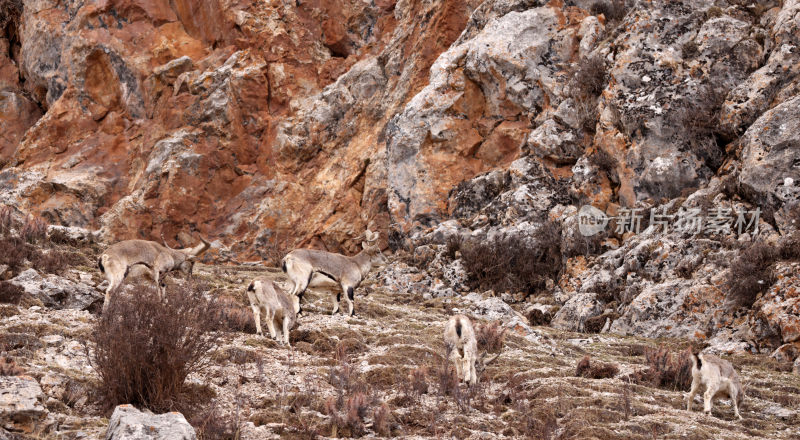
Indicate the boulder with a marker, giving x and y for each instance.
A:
(57, 292)
(128, 423)
(21, 408)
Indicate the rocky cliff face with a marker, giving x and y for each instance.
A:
(303, 123)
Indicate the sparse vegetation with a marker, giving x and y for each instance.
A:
(211, 424)
(271, 249)
(513, 264)
(9, 367)
(353, 401)
(596, 369)
(33, 230)
(698, 121)
(234, 317)
(665, 369)
(10, 14)
(750, 274)
(589, 78)
(145, 348)
(612, 10)
(10, 293)
(490, 337)
(6, 219)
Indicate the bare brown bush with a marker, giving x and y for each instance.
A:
(538, 317)
(750, 274)
(33, 230)
(595, 370)
(511, 264)
(665, 370)
(271, 249)
(9, 367)
(58, 236)
(10, 14)
(382, 420)
(6, 218)
(589, 77)
(211, 424)
(15, 252)
(54, 262)
(697, 118)
(490, 337)
(233, 317)
(540, 423)
(605, 162)
(612, 10)
(10, 293)
(418, 380)
(145, 348)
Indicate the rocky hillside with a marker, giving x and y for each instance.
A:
(385, 364)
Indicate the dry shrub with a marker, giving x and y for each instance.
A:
(145, 348)
(10, 16)
(689, 49)
(490, 337)
(351, 404)
(6, 215)
(511, 264)
(54, 262)
(789, 245)
(596, 323)
(697, 118)
(232, 317)
(665, 370)
(9, 367)
(418, 380)
(236, 355)
(750, 274)
(540, 423)
(14, 252)
(357, 406)
(453, 245)
(382, 419)
(605, 162)
(10, 293)
(538, 317)
(59, 236)
(612, 10)
(271, 249)
(33, 230)
(211, 424)
(588, 78)
(595, 370)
